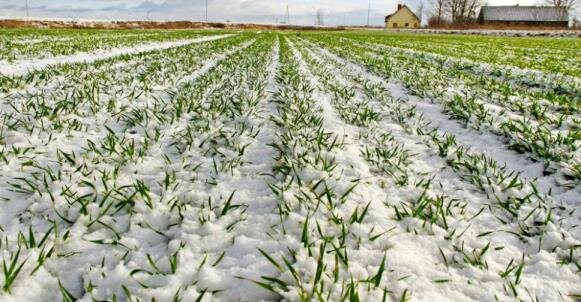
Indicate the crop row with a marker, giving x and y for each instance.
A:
(263, 166)
(555, 142)
(553, 89)
(439, 210)
(545, 54)
(100, 172)
(40, 46)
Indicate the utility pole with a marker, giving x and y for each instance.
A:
(26, 3)
(206, 15)
(368, 12)
(287, 16)
(319, 18)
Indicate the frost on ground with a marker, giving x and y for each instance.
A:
(262, 166)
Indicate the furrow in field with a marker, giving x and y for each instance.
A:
(527, 82)
(117, 220)
(79, 127)
(419, 238)
(242, 260)
(316, 187)
(540, 53)
(168, 95)
(268, 166)
(538, 95)
(41, 46)
(556, 109)
(554, 145)
(220, 203)
(201, 147)
(424, 162)
(145, 67)
(26, 66)
(473, 140)
(484, 142)
(532, 246)
(48, 141)
(99, 124)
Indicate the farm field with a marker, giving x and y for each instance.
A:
(300, 166)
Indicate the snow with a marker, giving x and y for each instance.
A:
(26, 66)
(487, 142)
(453, 186)
(153, 223)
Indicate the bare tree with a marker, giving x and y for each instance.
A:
(420, 10)
(320, 19)
(463, 11)
(567, 4)
(440, 10)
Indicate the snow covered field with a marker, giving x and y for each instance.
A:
(241, 166)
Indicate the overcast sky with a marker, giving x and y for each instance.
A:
(350, 12)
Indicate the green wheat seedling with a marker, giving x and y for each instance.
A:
(11, 269)
(467, 109)
(312, 151)
(431, 210)
(509, 182)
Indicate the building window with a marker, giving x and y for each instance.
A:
(394, 24)
(407, 25)
(415, 25)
